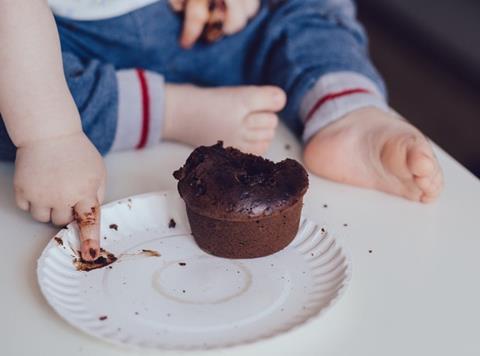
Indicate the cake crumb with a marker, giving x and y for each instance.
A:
(103, 317)
(370, 251)
(287, 146)
(345, 224)
(136, 313)
(325, 205)
(172, 224)
(58, 240)
(114, 227)
(182, 264)
(183, 290)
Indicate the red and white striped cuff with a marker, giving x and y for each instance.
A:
(333, 96)
(141, 109)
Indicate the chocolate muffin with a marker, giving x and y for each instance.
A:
(241, 205)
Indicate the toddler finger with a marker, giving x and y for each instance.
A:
(196, 16)
(236, 18)
(87, 215)
(40, 213)
(62, 216)
(177, 5)
(251, 7)
(22, 203)
(101, 193)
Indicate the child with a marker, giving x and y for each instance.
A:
(124, 68)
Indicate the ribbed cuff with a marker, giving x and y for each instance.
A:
(141, 96)
(333, 96)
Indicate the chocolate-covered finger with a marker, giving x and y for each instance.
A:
(216, 20)
(87, 215)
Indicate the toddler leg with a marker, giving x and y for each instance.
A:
(114, 107)
(316, 51)
(243, 116)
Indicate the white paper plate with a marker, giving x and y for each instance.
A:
(185, 298)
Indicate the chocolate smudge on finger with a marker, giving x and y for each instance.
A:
(217, 14)
(86, 219)
(104, 259)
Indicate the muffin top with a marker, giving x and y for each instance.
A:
(225, 183)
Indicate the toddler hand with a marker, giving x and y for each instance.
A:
(59, 177)
(213, 18)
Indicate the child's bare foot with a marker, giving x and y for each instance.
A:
(369, 148)
(243, 117)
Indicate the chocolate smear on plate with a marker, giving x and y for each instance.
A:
(151, 253)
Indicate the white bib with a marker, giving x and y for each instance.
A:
(95, 9)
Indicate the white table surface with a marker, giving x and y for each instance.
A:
(416, 293)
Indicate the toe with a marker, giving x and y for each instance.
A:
(261, 120)
(256, 148)
(425, 169)
(411, 191)
(264, 98)
(259, 135)
(432, 187)
(425, 183)
(420, 159)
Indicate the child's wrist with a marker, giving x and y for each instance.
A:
(38, 139)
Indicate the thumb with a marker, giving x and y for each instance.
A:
(87, 216)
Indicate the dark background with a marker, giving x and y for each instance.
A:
(428, 51)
